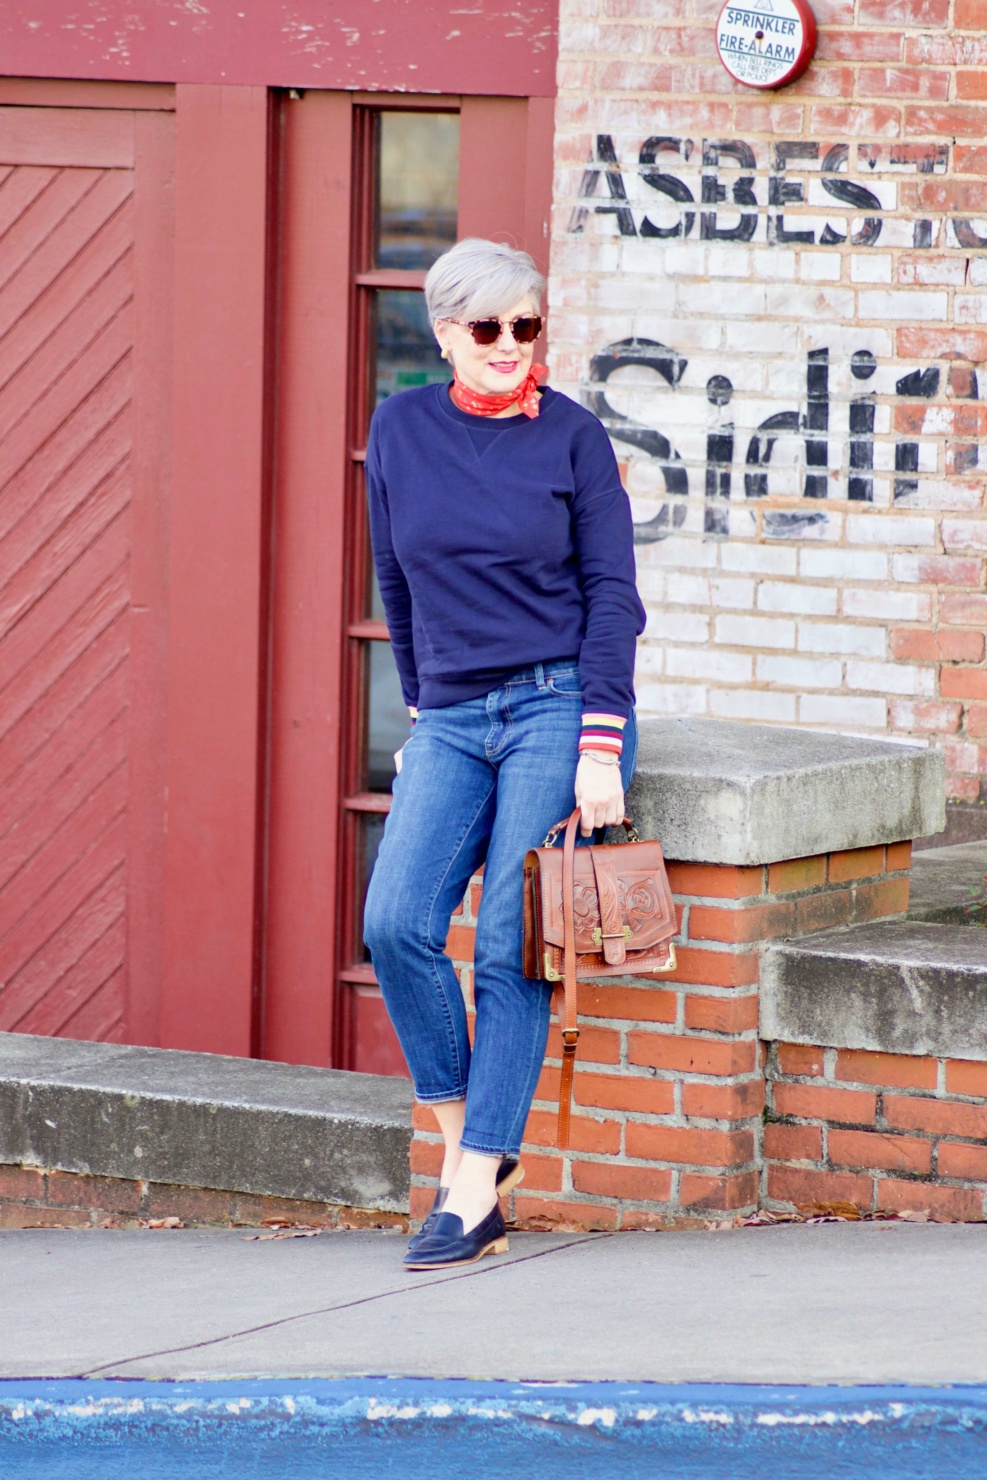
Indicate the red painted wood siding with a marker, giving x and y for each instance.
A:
(434, 46)
(66, 337)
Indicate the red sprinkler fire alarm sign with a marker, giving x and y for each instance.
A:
(766, 45)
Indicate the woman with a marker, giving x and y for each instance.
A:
(504, 551)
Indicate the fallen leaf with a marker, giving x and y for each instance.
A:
(913, 1215)
(285, 1231)
(846, 1210)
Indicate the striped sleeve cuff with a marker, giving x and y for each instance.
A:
(602, 732)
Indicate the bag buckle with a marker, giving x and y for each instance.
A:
(600, 935)
(570, 1037)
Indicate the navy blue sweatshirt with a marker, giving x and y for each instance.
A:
(500, 543)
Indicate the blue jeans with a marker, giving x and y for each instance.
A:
(481, 782)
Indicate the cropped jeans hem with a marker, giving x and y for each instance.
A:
(466, 1145)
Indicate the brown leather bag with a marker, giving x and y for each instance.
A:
(592, 912)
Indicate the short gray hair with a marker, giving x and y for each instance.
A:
(477, 277)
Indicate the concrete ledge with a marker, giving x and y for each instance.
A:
(203, 1120)
(894, 987)
(949, 885)
(717, 792)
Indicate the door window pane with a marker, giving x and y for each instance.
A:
(388, 721)
(406, 351)
(418, 186)
(376, 612)
(370, 831)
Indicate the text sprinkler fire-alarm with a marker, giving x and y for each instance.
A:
(766, 45)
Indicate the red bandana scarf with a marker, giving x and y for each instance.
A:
(526, 395)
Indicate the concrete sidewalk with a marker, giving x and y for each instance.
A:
(830, 1303)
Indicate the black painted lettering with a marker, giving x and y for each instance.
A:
(606, 155)
(817, 420)
(715, 150)
(963, 384)
(783, 192)
(920, 385)
(968, 236)
(790, 423)
(861, 482)
(719, 457)
(671, 367)
(851, 194)
(669, 185)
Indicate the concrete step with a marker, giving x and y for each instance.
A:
(896, 987)
(205, 1120)
(949, 885)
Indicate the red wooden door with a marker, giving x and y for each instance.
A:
(352, 329)
(67, 772)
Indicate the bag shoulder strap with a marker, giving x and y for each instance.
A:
(567, 1004)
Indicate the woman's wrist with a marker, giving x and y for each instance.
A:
(600, 757)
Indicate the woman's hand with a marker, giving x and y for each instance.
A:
(399, 754)
(599, 791)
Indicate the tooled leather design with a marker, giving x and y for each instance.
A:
(640, 904)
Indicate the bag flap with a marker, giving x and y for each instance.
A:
(645, 898)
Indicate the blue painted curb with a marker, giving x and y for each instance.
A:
(102, 1430)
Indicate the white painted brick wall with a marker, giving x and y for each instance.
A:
(964, 534)
(885, 605)
(768, 605)
(779, 596)
(711, 663)
(671, 698)
(890, 678)
(762, 559)
(901, 307)
(677, 626)
(838, 711)
(843, 565)
(732, 591)
(799, 673)
(756, 632)
(871, 267)
(754, 704)
(890, 529)
(835, 637)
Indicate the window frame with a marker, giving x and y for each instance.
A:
(355, 977)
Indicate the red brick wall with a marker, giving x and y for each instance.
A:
(39, 1197)
(877, 1131)
(669, 1086)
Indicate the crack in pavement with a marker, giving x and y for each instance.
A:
(307, 1315)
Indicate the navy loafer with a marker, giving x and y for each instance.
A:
(447, 1245)
(509, 1174)
(441, 1193)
